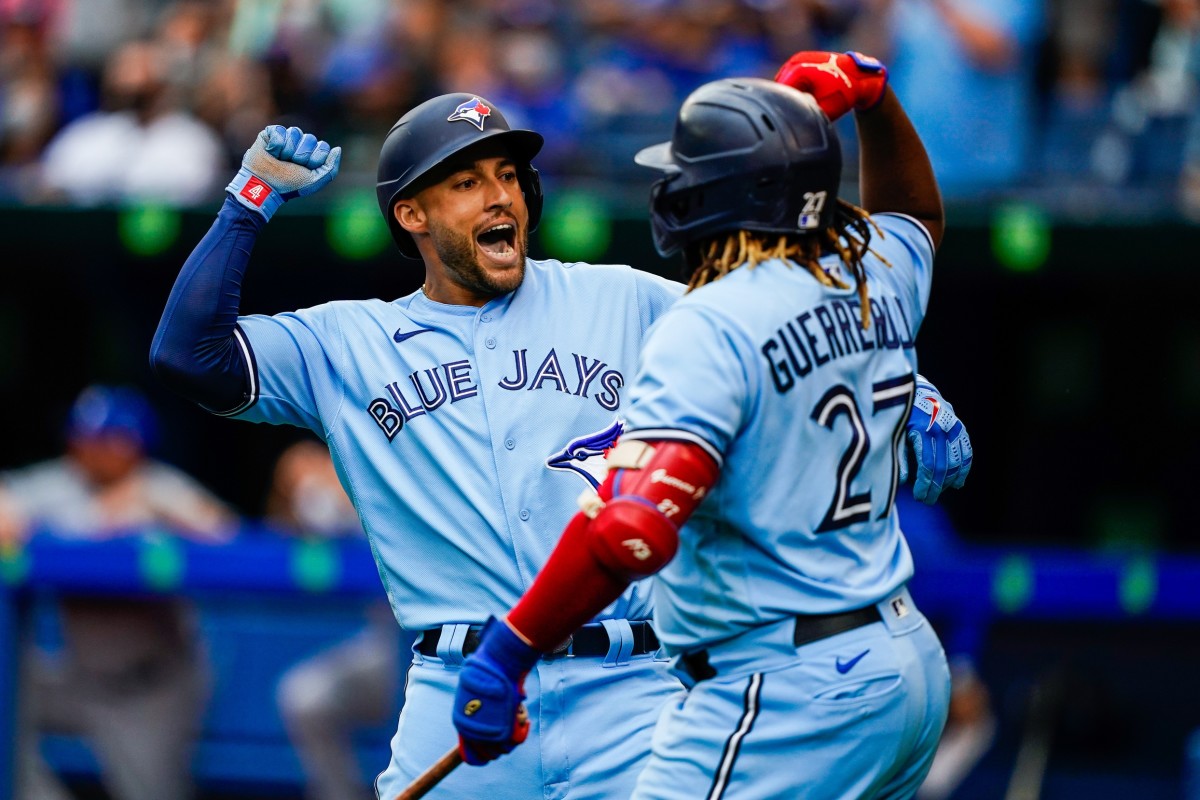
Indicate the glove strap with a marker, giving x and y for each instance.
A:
(254, 193)
(506, 648)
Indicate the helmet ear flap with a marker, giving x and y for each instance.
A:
(531, 184)
(666, 210)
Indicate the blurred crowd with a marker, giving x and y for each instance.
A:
(108, 100)
(131, 672)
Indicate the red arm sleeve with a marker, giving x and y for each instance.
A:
(634, 534)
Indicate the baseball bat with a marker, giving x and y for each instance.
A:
(432, 776)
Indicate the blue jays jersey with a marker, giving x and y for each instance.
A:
(775, 376)
(463, 435)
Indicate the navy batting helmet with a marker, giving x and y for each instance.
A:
(746, 153)
(434, 131)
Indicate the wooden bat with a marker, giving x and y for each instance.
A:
(445, 765)
(432, 776)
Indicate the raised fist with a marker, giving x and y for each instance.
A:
(838, 81)
(283, 163)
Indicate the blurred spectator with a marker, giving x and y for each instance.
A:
(1185, 19)
(143, 145)
(132, 677)
(965, 72)
(638, 61)
(356, 683)
(1076, 93)
(306, 498)
(1116, 85)
(28, 91)
(1145, 139)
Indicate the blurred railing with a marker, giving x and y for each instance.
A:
(982, 585)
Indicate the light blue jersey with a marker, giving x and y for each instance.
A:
(464, 435)
(773, 374)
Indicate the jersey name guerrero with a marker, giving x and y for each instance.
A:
(830, 331)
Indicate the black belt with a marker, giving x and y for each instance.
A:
(809, 628)
(590, 640)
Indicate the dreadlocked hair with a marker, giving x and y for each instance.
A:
(849, 236)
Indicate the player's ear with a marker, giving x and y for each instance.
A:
(411, 216)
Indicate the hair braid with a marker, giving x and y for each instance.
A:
(849, 237)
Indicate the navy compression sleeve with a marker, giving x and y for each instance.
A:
(198, 350)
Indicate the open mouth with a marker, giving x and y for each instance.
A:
(498, 241)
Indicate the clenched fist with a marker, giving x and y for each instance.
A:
(839, 81)
(283, 163)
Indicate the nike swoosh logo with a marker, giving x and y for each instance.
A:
(400, 337)
(933, 416)
(845, 666)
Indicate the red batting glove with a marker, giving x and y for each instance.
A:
(838, 81)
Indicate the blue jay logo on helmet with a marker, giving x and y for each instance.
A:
(473, 111)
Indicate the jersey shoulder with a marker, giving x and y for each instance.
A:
(901, 233)
(747, 296)
(333, 311)
(604, 274)
(901, 258)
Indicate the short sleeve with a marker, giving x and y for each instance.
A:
(655, 296)
(908, 248)
(292, 367)
(692, 383)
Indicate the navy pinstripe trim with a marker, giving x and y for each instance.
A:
(251, 374)
(894, 383)
(675, 435)
(734, 743)
(914, 221)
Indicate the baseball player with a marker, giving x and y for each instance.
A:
(463, 421)
(759, 463)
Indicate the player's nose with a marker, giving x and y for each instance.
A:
(500, 194)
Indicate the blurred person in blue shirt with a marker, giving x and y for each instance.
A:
(132, 677)
(964, 70)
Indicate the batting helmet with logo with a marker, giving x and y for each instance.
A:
(746, 153)
(434, 131)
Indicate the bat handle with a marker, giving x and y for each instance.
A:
(432, 776)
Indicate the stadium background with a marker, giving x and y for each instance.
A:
(1062, 324)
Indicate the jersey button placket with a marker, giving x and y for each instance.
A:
(489, 342)
(510, 443)
(524, 515)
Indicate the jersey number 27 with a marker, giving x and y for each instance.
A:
(847, 508)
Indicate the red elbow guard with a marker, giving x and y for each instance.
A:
(632, 538)
(637, 531)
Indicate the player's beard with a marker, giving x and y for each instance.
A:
(459, 256)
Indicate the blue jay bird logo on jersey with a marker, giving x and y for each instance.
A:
(584, 455)
(473, 111)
